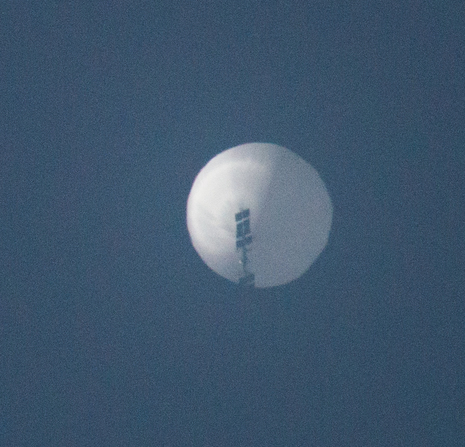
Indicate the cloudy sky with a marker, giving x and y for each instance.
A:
(113, 332)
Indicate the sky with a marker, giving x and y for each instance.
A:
(113, 332)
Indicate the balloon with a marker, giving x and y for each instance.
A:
(259, 209)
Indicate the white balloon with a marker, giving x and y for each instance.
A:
(290, 213)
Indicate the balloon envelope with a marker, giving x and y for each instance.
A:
(290, 213)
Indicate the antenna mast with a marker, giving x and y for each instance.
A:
(243, 240)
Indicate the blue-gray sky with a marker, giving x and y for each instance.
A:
(113, 331)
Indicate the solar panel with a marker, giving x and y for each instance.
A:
(244, 238)
(242, 215)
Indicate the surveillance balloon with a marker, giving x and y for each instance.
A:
(259, 214)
